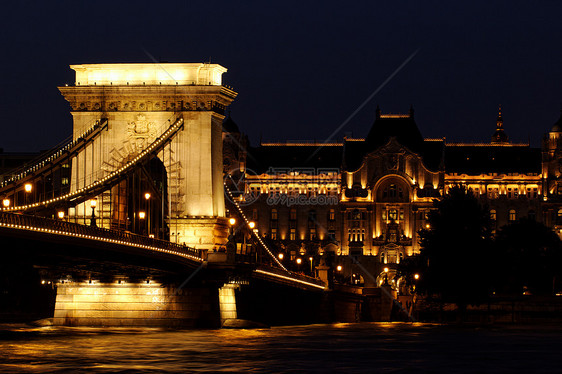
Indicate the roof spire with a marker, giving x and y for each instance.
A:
(499, 135)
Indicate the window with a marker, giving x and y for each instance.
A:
(493, 214)
(293, 215)
(312, 234)
(493, 192)
(332, 215)
(512, 215)
(64, 181)
(393, 214)
(274, 214)
(293, 234)
(274, 234)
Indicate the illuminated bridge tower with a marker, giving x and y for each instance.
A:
(141, 101)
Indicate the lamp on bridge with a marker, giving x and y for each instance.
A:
(6, 203)
(93, 204)
(60, 214)
(147, 198)
(142, 216)
(28, 187)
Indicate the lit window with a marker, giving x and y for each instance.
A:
(293, 234)
(512, 215)
(493, 214)
(393, 214)
(274, 234)
(293, 214)
(332, 215)
(274, 214)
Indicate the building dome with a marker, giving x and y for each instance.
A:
(558, 125)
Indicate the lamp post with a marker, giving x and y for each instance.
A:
(6, 203)
(231, 241)
(28, 187)
(93, 204)
(311, 269)
(147, 198)
(60, 214)
(142, 216)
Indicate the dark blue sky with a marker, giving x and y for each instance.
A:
(301, 68)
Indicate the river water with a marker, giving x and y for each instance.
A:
(349, 348)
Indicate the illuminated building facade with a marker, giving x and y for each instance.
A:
(371, 196)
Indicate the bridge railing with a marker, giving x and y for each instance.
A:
(273, 270)
(35, 223)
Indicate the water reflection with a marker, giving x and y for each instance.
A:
(366, 347)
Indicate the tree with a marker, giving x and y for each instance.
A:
(530, 258)
(456, 248)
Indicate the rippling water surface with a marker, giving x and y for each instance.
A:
(352, 348)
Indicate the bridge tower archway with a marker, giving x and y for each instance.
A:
(141, 102)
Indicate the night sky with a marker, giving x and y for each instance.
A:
(300, 68)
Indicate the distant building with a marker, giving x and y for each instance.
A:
(369, 197)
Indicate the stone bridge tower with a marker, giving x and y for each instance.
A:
(140, 102)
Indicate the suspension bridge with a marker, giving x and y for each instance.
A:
(127, 216)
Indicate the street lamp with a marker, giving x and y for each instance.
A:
(281, 256)
(142, 215)
(339, 268)
(232, 221)
(252, 224)
(311, 259)
(147, 198)
(416, 276)
(6, 203)
(60, 214)
(299, 261)
(28, 187)
(93, 204)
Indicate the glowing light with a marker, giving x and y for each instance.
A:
(93, 203)
(147, 195)
(416, 276)
(339, 268)
(281, 256)
(232, 221)
(6, 202)
(28, 187)
(299, 261)
(60, 214)
(427, 225)
(386, 270)
(142, 215)
(252, 224)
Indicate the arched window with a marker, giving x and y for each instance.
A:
(274, 214)
(493, 214)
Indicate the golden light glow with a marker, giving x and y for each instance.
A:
(142, 215)
(232, 221)
(427, 225)
(6, 202)
(416, 276)
(149, 74)
(147, 195)
(28, 187)
(281, 256)
(299, 261)
(60, 214)
(93, 203)
(386, 270)
(252, 224)
(339, 268)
